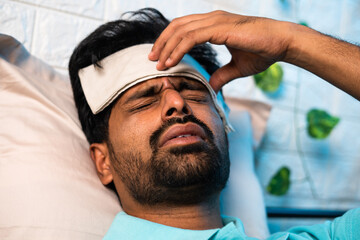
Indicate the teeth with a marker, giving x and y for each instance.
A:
(186, 135)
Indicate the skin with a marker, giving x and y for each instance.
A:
(140, 117)
(255, 43)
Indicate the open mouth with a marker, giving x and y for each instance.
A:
(182, 134)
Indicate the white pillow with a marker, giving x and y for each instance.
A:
(48, 184)
(242, 196)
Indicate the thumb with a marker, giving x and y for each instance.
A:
(224, 75)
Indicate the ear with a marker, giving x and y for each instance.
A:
(99, 153)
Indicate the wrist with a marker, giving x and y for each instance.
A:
(300, 44)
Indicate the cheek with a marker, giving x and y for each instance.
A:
(219, 130)
(211, 118)
(133, 134)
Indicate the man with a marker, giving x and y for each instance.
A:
(159, 136)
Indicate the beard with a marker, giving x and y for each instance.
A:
(177, 175)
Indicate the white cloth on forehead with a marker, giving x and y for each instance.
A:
(130, 66)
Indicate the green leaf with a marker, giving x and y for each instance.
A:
(280, 182)
(269, 80)
(320, 123)
(304, 23)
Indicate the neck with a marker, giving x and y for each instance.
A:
(202, 216)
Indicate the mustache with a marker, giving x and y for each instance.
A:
(155, 136)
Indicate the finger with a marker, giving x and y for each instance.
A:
(186, 37)
(174, 51)
(224, 75)
(183, 32)
(169, 31)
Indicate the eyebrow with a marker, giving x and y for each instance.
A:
(155, 89)
(191, 85)
(146, 92)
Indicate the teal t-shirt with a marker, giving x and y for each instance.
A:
(128, 227)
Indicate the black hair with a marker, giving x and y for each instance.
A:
(142, 26)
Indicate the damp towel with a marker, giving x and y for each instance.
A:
(130, 66)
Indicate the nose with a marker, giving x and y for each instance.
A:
(174, 105)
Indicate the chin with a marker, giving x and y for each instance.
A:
(188, 174)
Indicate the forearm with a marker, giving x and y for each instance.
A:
(256, 43)
(336, 61)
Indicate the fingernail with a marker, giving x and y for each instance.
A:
(151, 55)
(168, 61)
(158, 65)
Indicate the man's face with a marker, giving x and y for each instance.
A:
(167, 142)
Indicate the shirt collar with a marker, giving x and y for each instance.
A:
(128, 227)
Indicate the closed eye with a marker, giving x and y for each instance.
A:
(142, 106)
(199, 98)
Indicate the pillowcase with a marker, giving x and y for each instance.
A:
(242, 196)
(48, 184)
